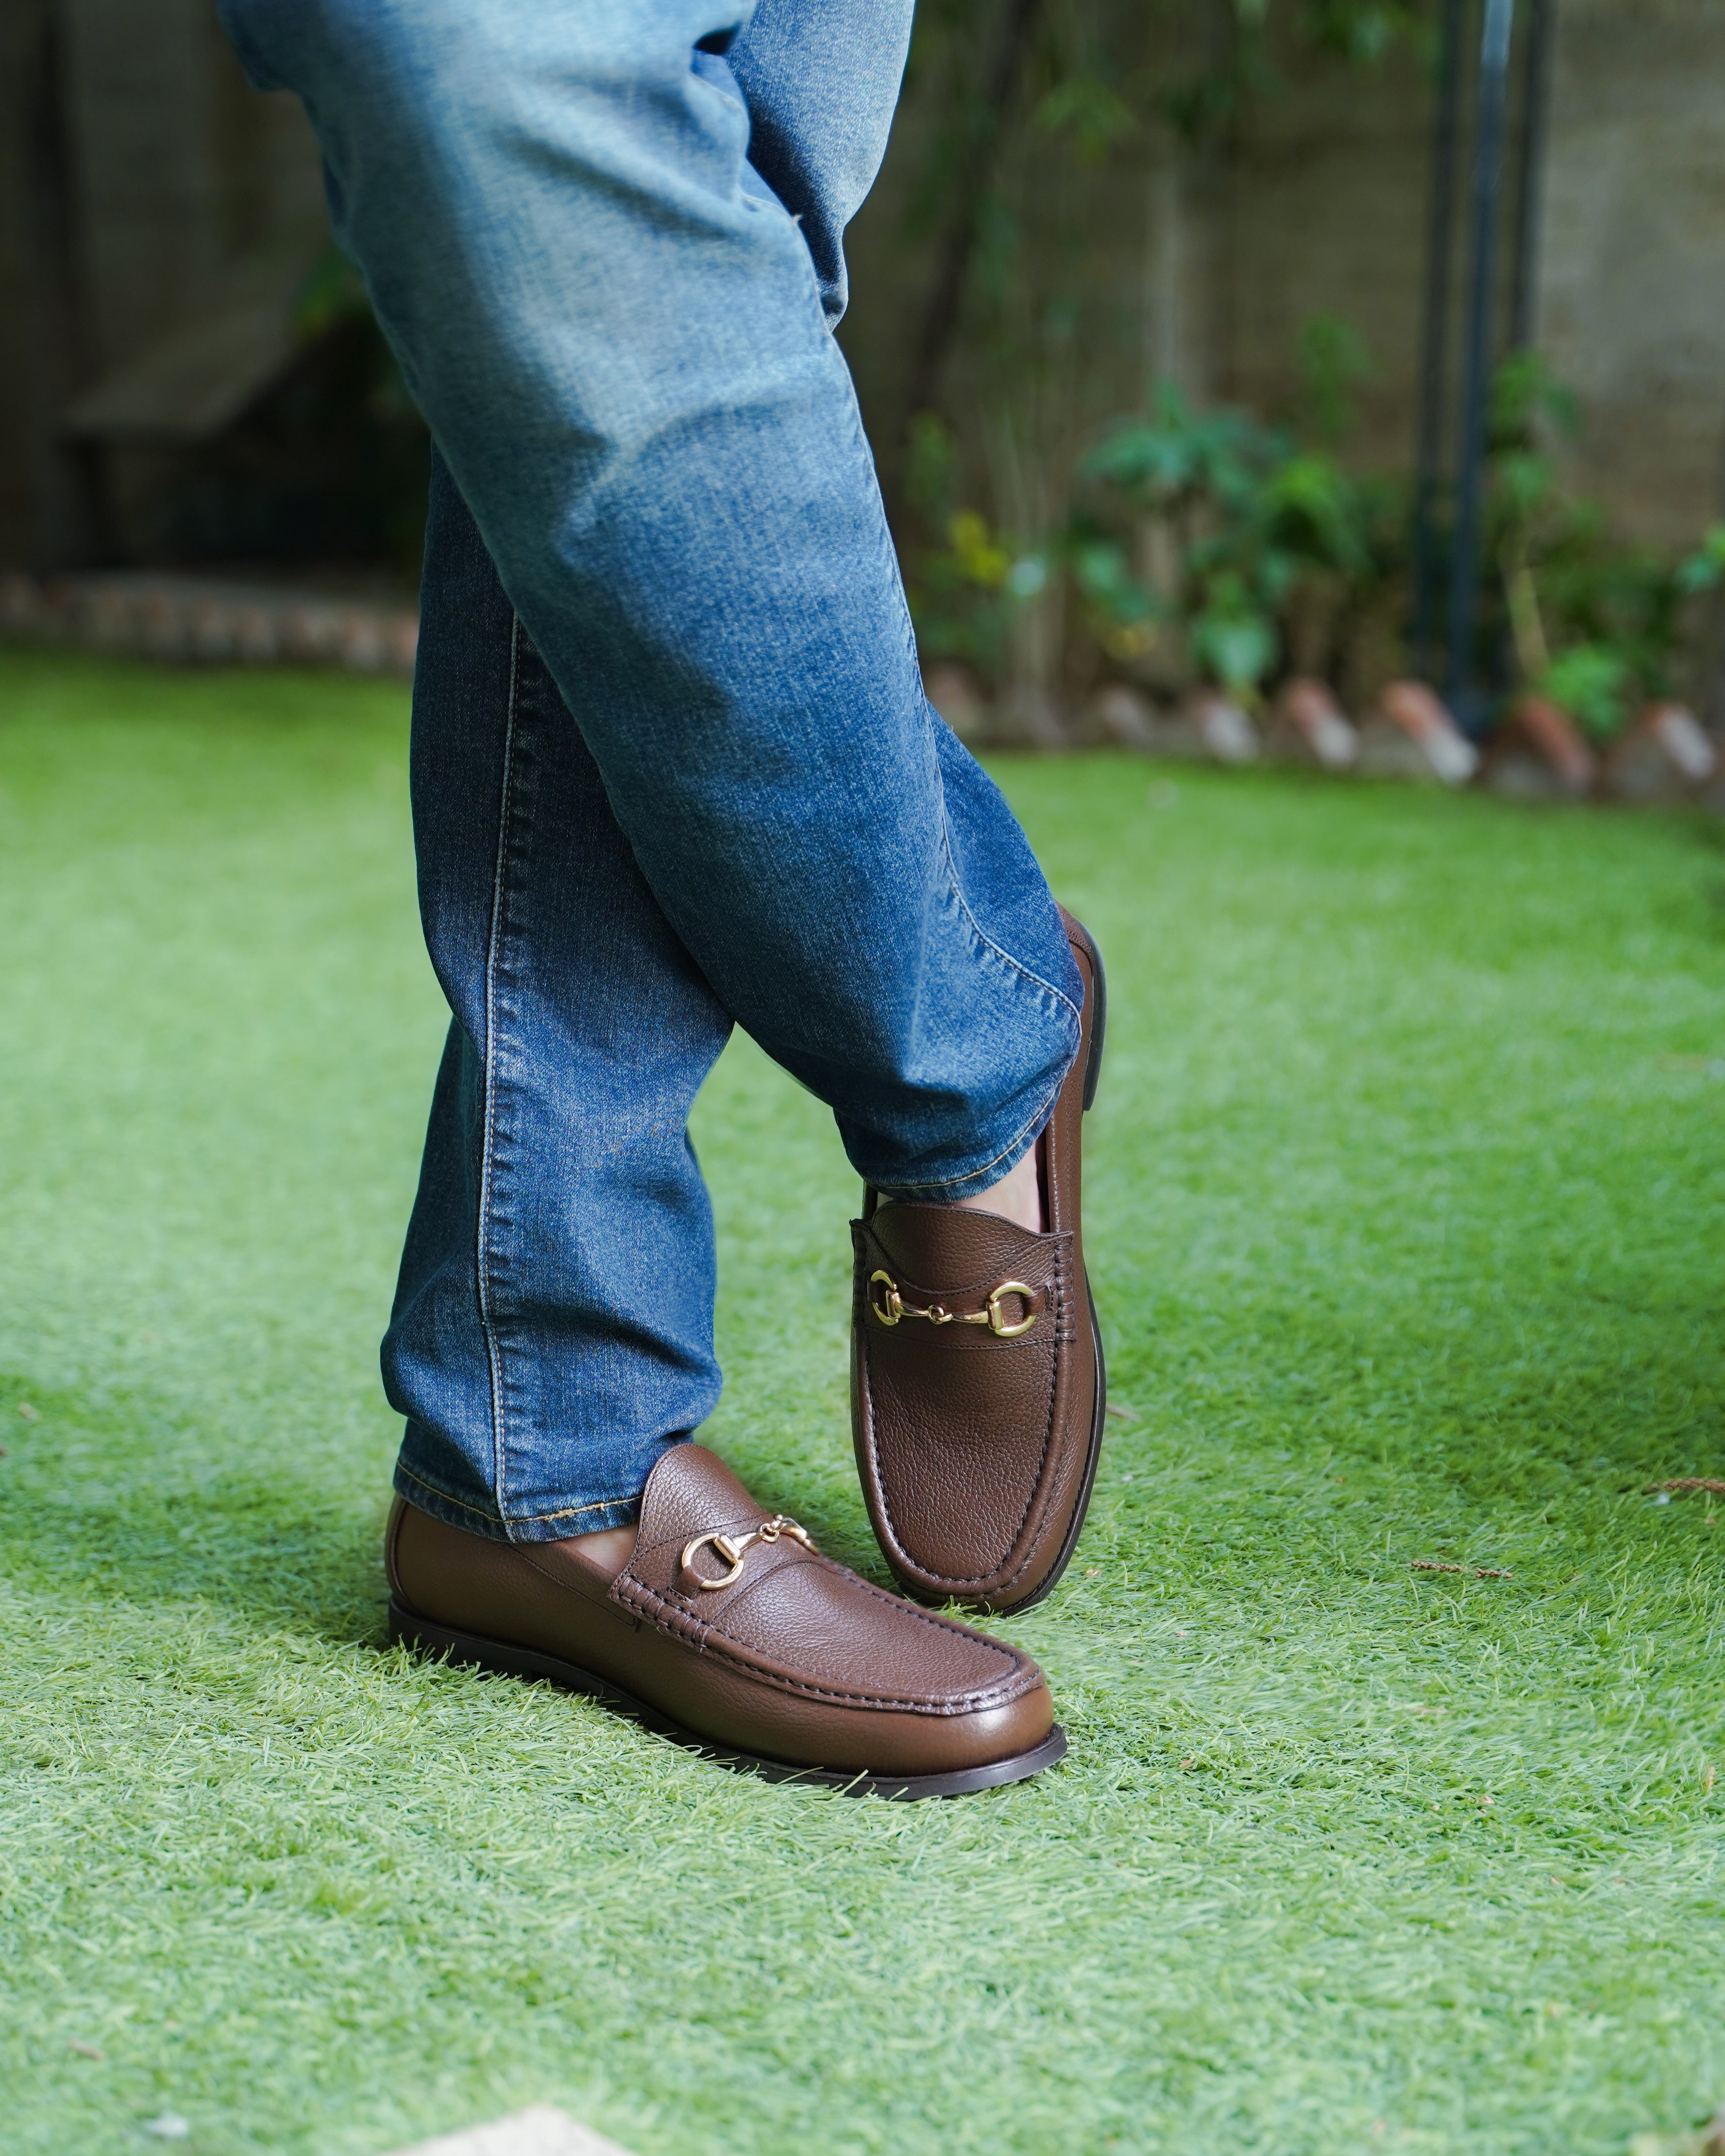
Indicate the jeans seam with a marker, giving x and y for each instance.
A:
(493, 1352)
(984, 937)
(561, 1512)
(575, 1511)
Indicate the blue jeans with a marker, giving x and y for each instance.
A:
(673, 767)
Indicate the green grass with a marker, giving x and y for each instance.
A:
(1406, 1183)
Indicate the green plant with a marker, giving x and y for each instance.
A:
(1204, 478)
(1596, 621)
(1264, 526)
(1592, 683)
(963, 581)
(1333, 361)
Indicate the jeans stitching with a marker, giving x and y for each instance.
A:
(493, 1352)
(984, 937)
(957, 1182)
(563, 1512)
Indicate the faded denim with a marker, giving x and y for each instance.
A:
(673, 767)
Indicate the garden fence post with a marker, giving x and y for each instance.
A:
(1439, 246)
(1487, 175)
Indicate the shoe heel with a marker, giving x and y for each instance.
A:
(1079, 934)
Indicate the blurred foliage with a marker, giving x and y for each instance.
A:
(1022, 107)
(1596, 621)
(1367, 29)
(1257, 525)
(1219, 547)
(376, 414)
(965, 589)
(1214, 528)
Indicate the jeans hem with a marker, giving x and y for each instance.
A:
(589, 1519)
(947, 1189)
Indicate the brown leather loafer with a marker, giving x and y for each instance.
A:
(976, 1385)
(728, 1630)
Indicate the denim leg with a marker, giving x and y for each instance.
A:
(553, 1326)
(620, 335)
(608, 261)
(820, 79)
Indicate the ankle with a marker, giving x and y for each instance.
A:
(1016, 1197)
(607, 1550)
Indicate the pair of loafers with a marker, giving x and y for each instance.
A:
(978, 1397)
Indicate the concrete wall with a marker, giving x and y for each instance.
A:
(1328, 213)
(1632, 293)
(44, 505)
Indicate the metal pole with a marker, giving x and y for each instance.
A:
(1440, 245)
(1536, 108)
(1487, 177)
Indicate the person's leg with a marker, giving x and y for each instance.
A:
(617, 332)
(553, 1323)
(553, 1319)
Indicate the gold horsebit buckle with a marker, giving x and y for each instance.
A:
(732, 1548)
(890, 1306)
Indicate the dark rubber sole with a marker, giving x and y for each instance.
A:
(473, 1651)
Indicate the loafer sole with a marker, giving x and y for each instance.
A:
(472, 1649)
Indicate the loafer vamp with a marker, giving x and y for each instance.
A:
(807, 1624)
(976, 1383)
(960, 1419)
(791, 1616)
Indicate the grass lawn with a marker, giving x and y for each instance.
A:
(1407, 1179)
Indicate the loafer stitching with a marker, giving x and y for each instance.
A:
(673, 1616)
(978, 1581)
